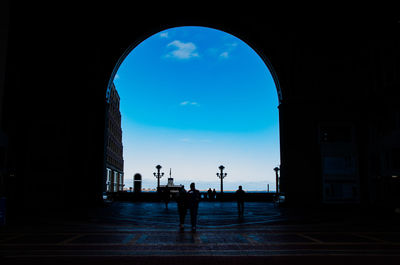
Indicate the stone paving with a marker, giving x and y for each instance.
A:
(124, 230)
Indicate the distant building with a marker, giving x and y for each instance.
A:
(114, 149)
(170, 185)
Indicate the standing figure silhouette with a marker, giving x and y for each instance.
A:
(181, 200)
(240, 201)
(209, 194)
(193, 199)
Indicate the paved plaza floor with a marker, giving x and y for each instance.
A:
(148, 233)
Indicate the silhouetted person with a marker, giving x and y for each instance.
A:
(193, 199)
(240, 200)
(181, 200)
(209, 194)
(166, 197)
(214, 194)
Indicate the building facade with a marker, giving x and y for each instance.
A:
(114, 149)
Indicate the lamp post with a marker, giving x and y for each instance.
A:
(221, 175)
(276, 169)
(158, 175)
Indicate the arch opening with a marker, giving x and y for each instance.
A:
(181, 47)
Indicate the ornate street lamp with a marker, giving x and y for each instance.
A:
(276, 169)
(221, 175)
(158, 175)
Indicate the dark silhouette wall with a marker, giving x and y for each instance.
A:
(332, 69)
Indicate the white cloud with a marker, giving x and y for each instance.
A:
(189, 103)
(164, 35)
(230, 47)
(116, 77)
(224, 55)
(182, 50)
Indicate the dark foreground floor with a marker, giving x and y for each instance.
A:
(147, 233)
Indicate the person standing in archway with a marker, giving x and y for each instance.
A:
(181, 200)
(209, 194)
(193, 199)
(240, 193)
(167, 197)
(214, 194)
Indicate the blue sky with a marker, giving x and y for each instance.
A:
(193, 98)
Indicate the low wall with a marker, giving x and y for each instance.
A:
(154, 196)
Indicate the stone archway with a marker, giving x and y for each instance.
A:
(329, 70)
